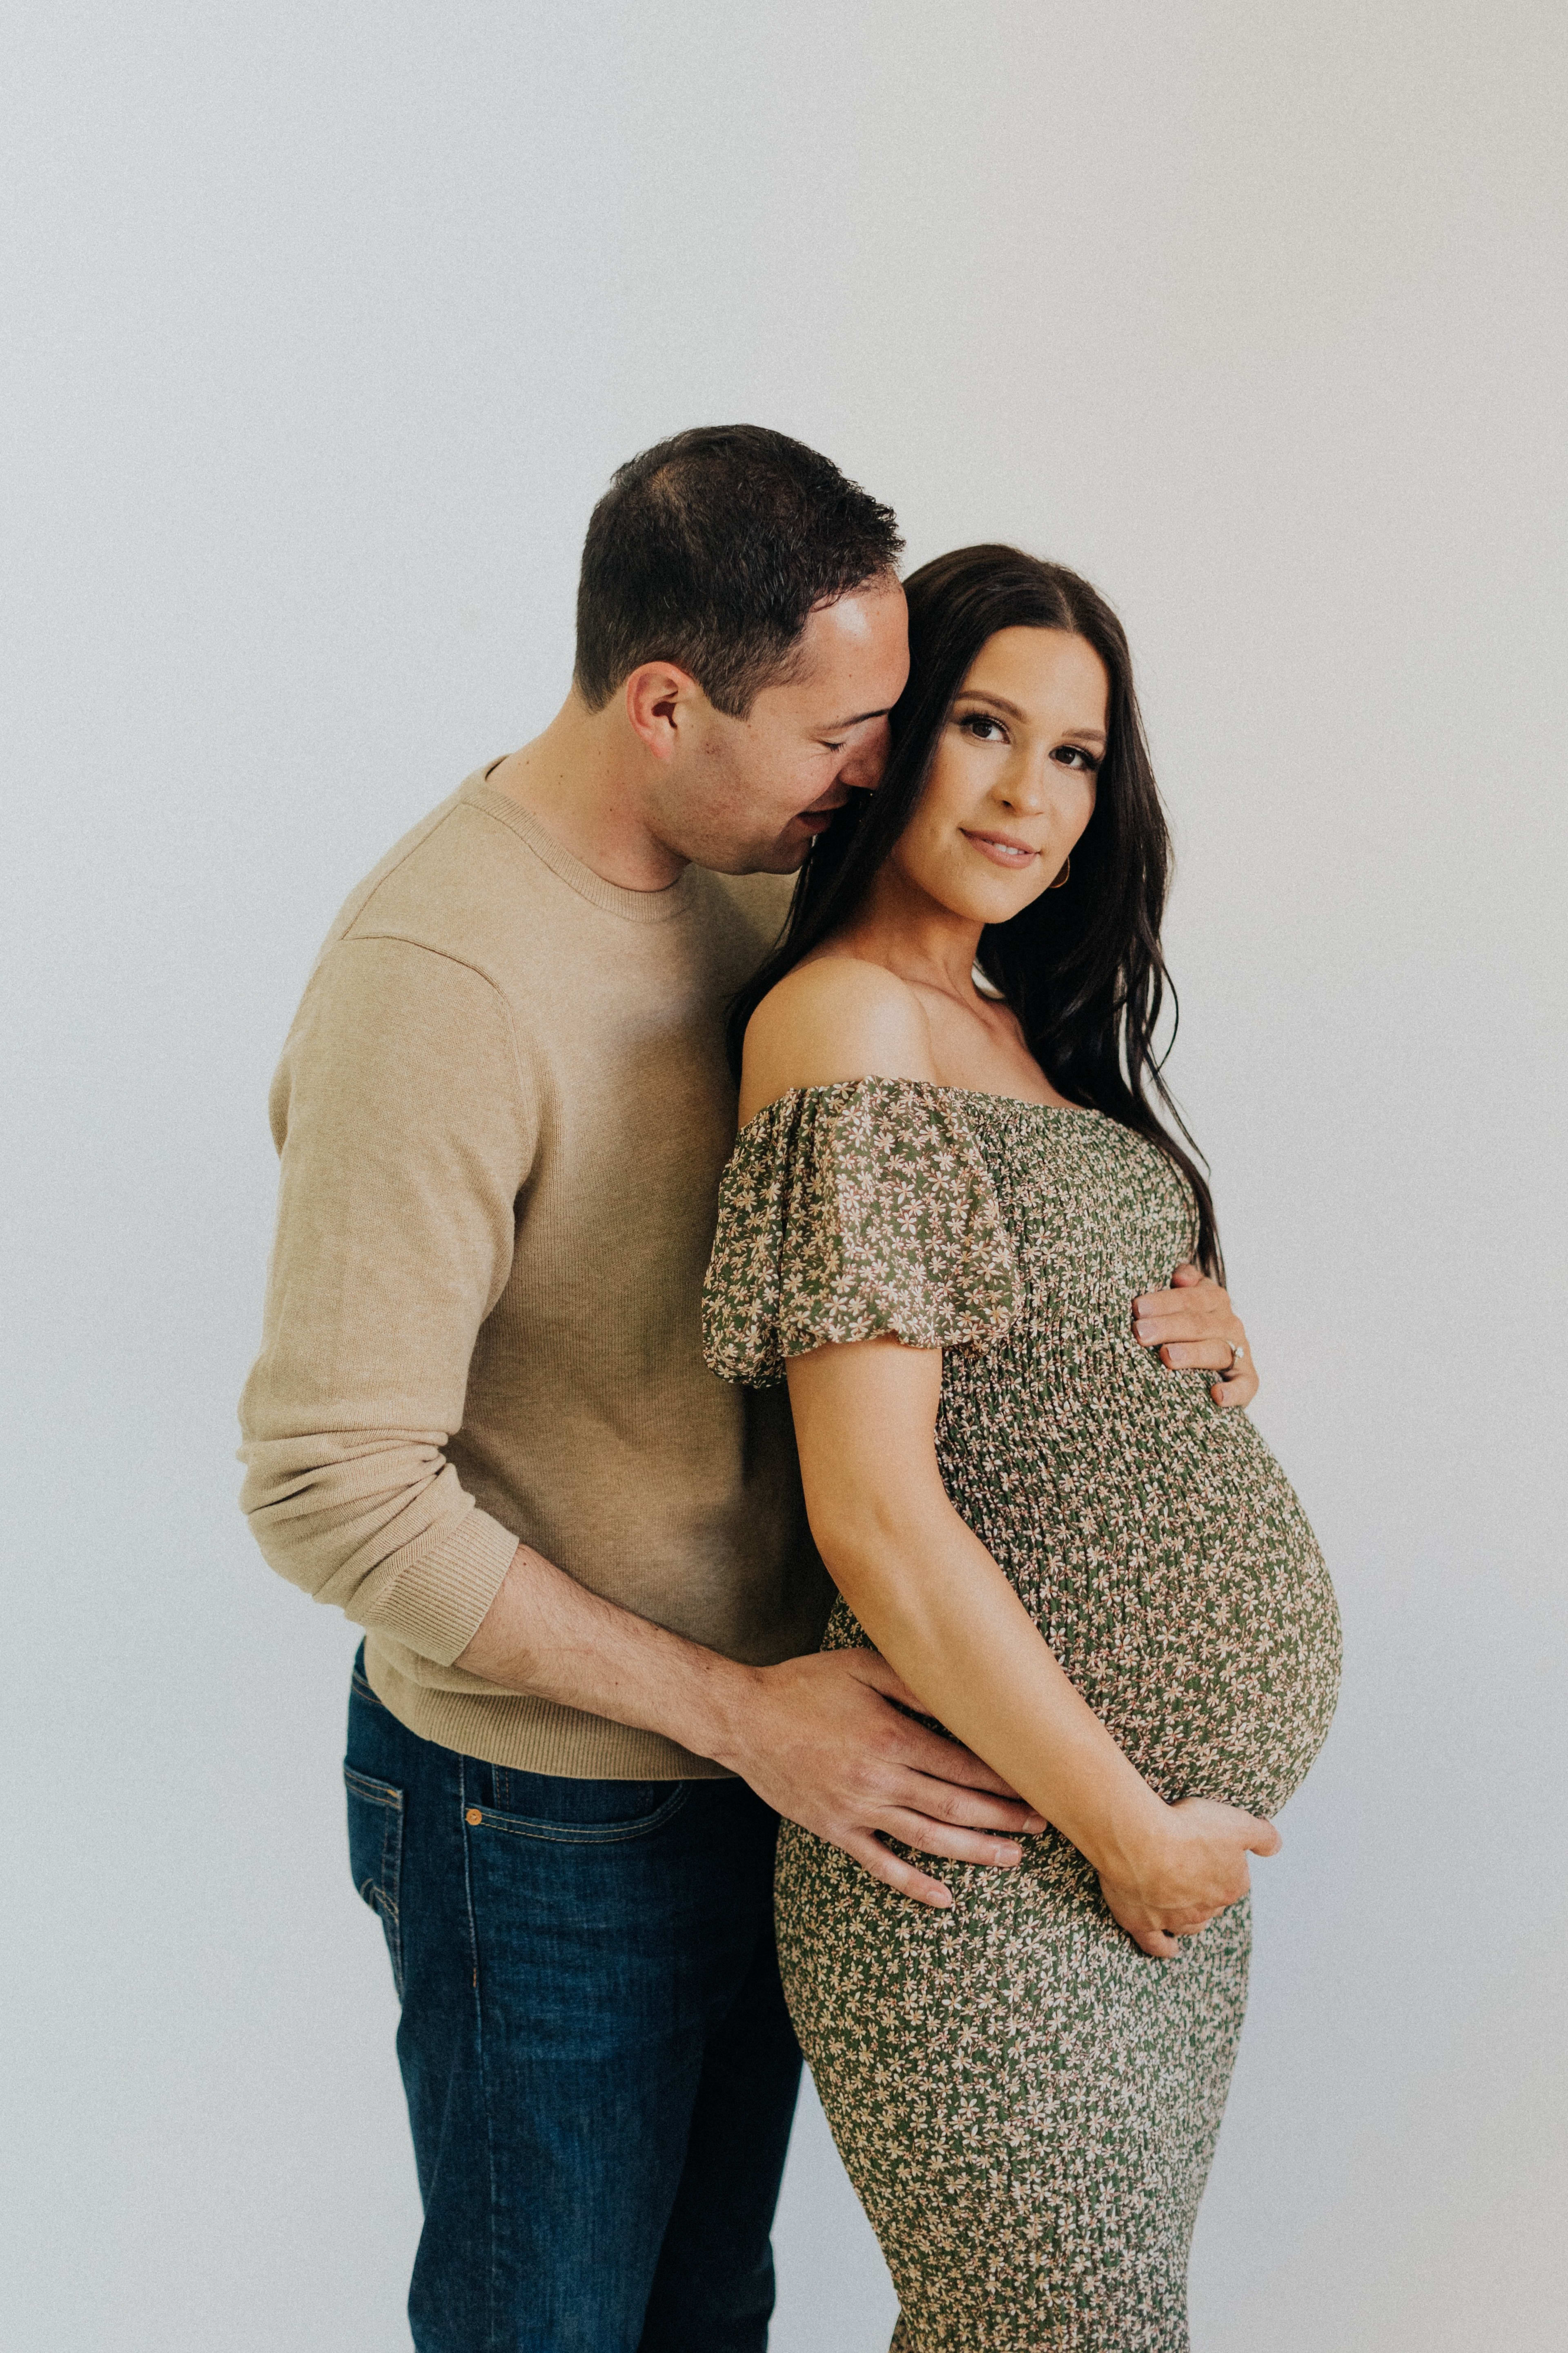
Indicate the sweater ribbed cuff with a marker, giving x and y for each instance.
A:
(441, 1596)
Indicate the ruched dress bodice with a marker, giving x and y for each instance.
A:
(1154, 1539)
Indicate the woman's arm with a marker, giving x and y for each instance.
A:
(941, 1612)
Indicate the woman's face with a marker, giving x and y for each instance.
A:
(1012, 784)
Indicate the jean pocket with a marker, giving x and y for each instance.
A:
(375, 1854)
(579, 1814)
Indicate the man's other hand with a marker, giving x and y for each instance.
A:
(1193, 1326)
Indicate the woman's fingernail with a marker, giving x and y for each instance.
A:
(1145, 1330)
(1034, 1824)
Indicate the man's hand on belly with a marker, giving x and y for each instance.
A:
(822, 1739)
(824, 1742)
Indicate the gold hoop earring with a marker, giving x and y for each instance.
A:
(1061, 878)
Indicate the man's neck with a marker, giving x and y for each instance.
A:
(579, 779)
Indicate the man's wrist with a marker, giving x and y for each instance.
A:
(724, 1710)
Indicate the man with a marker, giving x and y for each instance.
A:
(481, 1425)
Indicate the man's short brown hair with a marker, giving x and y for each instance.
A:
(711, 550)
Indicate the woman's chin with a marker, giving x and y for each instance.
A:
(997, 904)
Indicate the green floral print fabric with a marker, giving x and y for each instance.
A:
(1025, 2103)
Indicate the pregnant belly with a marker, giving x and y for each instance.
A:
(1168, 1563)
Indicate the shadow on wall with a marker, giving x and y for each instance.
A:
(834, 2295)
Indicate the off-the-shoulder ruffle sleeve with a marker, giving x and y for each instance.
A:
(849, 1211)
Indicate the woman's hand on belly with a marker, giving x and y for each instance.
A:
(1193, 1867)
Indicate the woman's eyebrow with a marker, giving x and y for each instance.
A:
(997, 702)
(1000, 702)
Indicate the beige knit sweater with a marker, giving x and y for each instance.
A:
(503, 1113)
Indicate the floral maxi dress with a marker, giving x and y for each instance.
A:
(1027, 2104)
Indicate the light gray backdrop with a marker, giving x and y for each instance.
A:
(326, 324)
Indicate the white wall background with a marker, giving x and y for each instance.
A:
(326, 324)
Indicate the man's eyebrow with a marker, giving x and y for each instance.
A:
(836, 727)
(1000, 702)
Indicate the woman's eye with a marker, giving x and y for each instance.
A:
(983, 728)
(1073, 756)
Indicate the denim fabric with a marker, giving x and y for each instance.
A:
(600, 2071)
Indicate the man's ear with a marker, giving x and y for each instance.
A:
(659, 699)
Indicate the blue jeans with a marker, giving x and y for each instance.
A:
(601, 2074)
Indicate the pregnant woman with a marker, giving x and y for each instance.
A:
(954, 1174)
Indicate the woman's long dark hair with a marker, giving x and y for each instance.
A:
(1081, 967)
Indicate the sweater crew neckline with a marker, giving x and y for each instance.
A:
(610, 897)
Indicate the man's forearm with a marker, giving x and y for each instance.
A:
(549, 1636)
(816, 1737)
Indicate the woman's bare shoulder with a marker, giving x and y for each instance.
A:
(833, 1018)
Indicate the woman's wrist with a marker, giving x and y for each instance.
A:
(1131, 1847)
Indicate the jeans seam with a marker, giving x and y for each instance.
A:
(492, 2286)
(380, 1793)
(391, 1848)
(585, 1833)
(377, 1893)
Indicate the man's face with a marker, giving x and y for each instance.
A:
(748, 795)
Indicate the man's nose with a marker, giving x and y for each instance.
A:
(864, 761)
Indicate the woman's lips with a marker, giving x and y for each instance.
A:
(1001, 848)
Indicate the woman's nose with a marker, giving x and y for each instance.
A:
(1026, 787)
